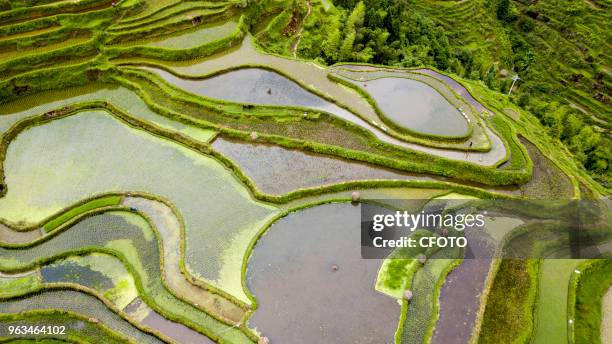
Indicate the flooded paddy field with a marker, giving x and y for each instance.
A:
(259, 86)
(416, 106)
(277, 170)
(192, 172)
(109, 156)
(302, 298)
(134, 241)
(121, 97)
(81, 304)
(103, 273)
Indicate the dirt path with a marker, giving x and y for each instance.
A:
(300, 29)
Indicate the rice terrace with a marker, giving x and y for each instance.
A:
(305, 171)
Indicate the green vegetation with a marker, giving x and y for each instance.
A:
(550, 325)
(422, 310)
(81, 209)
(114, 192)
(585, 300)
(508, 316)
(11, 286)
(557, 48)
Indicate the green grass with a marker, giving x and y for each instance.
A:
(550, 322)
(9, 286)
(81, 209)
(592, 283)
(396, 272)
(508, 316)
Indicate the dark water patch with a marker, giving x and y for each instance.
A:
(302, 298)
(71, 272)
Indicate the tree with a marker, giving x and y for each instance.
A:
(503, 10)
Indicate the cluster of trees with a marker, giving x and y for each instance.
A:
(381, 31)
(590, 147)
(392, 32)
(395, 32)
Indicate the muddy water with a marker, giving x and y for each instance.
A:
(301, 298)
(416, 106)
(459, 301)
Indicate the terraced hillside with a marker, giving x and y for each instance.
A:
(166, 176)
(559, 50)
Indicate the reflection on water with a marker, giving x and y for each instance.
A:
(312, 285)
(416, 106)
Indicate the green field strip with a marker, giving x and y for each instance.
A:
(509, 311)
(12, 285)
(31, 33)
(81, 209)
(397, 271)
(151, 7)
(191, 38)
(421, 313)
(32, 51)
(586, 292)
(550, 325)
(168, 12)
(25, 14)
(129, 238)
(170, 25)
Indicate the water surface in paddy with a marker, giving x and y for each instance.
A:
(255, 86)
(278, 170)
(191, 38)
(66, 271)
(99, 154)
(174, 330)
(259, 86)
(416, 106)
(301, 299)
